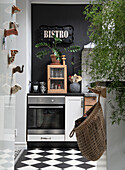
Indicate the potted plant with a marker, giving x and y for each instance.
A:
(56, 53)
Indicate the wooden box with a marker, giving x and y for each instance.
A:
(89, 102)
(57, 78)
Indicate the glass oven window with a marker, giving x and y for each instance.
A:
(46, 118)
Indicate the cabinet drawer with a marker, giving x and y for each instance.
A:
(90, 101)
(45, 138)
(87, 108)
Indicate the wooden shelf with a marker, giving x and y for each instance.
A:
(55, 78)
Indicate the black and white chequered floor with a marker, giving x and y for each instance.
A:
(6, 159)
(53, 159)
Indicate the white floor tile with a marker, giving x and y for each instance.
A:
(33, 156)
(7, 151)
(51, 168)
(73, 168)
(52, 162)
(4, 156)
(27, 168)
(1, 168)
(93, 163)
(2, 161)
(74, 162)
(72, 151)
(36, 151)
(31, 162)
(54, 151)
(8, 168)
(73, 156)
(53, 156)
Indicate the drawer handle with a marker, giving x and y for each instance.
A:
(45, 138)
(82, 102)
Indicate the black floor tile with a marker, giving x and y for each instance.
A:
(63, 165)
(82, 159)
(63, 159)
(85, 166)
(63, 154)
(40, 165)
(42, 159)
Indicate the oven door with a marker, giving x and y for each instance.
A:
(46, 119)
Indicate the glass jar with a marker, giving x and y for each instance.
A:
(52, 72)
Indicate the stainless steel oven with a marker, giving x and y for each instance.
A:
(46, 115)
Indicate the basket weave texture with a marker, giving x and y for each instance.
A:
(90, 134)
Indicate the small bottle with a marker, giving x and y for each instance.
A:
(56, 87)
(61, 73)
(62, 86)
(56, 73)
(52, 86)
(52, 72)
(59, 86)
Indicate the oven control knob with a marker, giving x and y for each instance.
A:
(52, 100)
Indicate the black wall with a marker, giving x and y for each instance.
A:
(58, 15)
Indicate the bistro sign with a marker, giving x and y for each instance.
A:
(63, 32)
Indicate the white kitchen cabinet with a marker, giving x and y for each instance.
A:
(73, 111)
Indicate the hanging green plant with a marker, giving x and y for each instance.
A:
(107, 31)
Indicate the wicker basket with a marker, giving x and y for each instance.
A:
(90, 134)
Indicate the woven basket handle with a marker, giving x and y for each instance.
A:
(99, 97)
(71, 133)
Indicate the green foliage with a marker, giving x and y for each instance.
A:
(53, 48)
(41, 54)
(57, 40)
(42, 44)
(73, 49)
(107, 31)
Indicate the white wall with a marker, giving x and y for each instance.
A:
(7, 101)
(102, 162)
(115, 139)
(23, 45)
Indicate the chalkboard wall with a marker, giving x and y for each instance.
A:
(60, 15)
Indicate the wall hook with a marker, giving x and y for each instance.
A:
(15, 9)
(12, 57)
(15, 89)
(9, 32)
(18, 69)
(13, 25)
(14, 52)
(99, 90)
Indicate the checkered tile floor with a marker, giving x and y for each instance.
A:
(6, 159)
(53, 159)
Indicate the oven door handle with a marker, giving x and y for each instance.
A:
(45, 107)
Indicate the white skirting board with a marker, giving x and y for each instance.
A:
(21, 145)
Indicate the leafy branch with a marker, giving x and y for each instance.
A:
(73, 49)
(106, 30)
